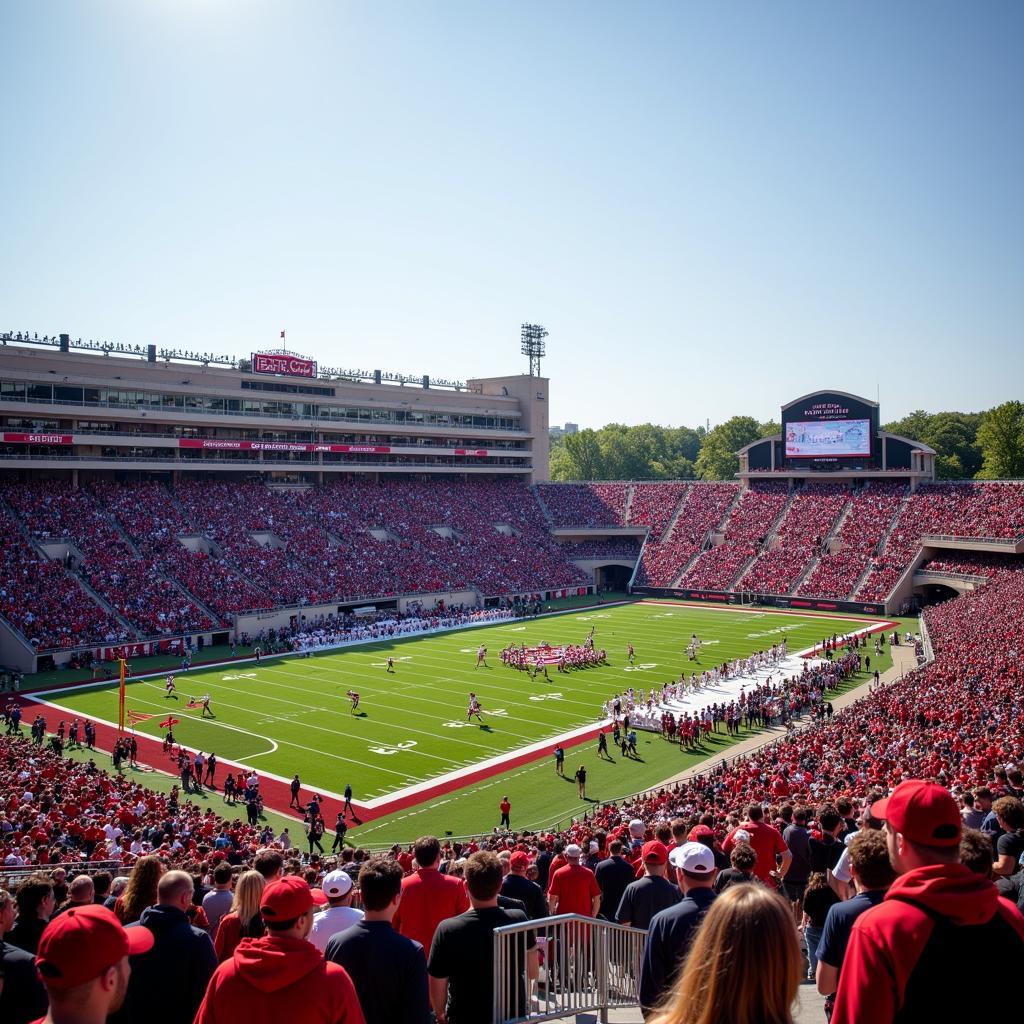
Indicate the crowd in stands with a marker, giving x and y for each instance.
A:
(746, 530)
(810, 518)
(130, 583)
(654, 505)
(154, 519)
(46, 604)
(704, 507)
(873, 508)
(795, 803)
(958, 510)
(613, 547)
(352, 539)
(588, 505)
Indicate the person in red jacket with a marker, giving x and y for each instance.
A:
(281, 976)
(428, 897)
(939, 922)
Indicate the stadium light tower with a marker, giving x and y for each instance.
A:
(533, 346)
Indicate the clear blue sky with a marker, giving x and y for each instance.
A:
(712, 208)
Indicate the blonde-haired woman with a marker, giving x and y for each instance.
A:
(140, 892)
(743, 967)
(243, 920)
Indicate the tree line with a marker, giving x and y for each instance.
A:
(976, 445)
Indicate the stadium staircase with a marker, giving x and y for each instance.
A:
(883, 543)
(549, 519)
(667, 534)
(627, 504)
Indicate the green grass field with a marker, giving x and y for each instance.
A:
(291, 715)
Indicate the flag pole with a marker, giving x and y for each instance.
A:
(120, 718)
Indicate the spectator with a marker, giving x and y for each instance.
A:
(872, 875)
(218, 901)
(671, 932)
(339, 914)
(1009, 813)
(797, 841)
(388, 970)
(35, 907)
(81, 893)
(651, 894)
(937, 920)
(826, 851)
(975, 853)
(101, 883)
(141, 891)
(243, 920)
(742, 861)
(461, 961)
(767, 844)
(613, 875)
(518, 887)
(22, 997)
(819, 898)
(179, 964)
(743, 966)
(428, 897)
(83, 962)
(281, 975)
(574, 889)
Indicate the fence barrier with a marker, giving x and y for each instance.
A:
(582, 964)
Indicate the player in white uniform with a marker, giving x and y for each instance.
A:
(481, 657)
(170, 688)
(474, 708)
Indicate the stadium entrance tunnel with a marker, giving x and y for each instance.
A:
(612, 577)
(937, 593)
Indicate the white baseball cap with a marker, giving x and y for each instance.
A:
(337, 884)
(694, 858)
(741, 835)
(572, 850)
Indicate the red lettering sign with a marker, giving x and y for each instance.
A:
(278, 446)
(17, 438)
(470, 451)
(282, 365)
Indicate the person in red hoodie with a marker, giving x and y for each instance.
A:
(281, 976)
(939, 922)
(428, 897)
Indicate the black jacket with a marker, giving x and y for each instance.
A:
(23, 997)
(168, 983)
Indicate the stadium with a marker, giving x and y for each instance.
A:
(544, 539)
(366, 584)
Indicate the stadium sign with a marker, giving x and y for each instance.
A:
(283, 364)
(279, 446)
(18, 438)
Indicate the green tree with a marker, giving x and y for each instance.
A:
(717, 459)
(584, 454)
(1001, 439)
(769, 429)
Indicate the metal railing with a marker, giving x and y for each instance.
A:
(584, 964)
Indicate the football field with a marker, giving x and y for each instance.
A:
(413, 761)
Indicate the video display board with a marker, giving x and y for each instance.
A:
(829, 426)
(814, 439)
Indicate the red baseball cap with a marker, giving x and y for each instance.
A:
(286, 899)
(697, 831)
(83, 942)
(654, 852)
(519, 860)
(924, 812)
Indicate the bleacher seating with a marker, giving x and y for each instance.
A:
(957, 510)
(703, 509)
(745, 531)
(809, 519)
(587, 505)
(872, 510)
